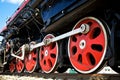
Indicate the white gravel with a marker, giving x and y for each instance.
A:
(7, 77)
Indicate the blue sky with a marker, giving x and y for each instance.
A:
(7, 8)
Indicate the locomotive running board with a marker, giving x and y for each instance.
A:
(84, 28)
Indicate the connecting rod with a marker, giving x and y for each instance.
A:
(84, 28)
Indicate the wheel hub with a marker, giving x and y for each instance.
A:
(46, 53)
(82, 44)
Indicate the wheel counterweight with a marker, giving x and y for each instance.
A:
(87, 51)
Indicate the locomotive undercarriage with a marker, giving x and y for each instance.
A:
(85, 39)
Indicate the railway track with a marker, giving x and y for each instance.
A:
(105, 74)
(65, 76)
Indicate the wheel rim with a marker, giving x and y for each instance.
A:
(19, 65)
(31, 61)
(87, 51)
(49, 56)
(12, 65)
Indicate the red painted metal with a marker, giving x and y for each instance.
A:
(86, 50)
(19, 65)
(48, 56)
(12, 65)
(31, 61)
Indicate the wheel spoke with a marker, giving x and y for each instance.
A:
(52, 51)
(98, 40)
(42, 62)
(49, 63)
(76, 55)
(75, 49)
(42, 55)
(86, 62)
(52, 60)
(34, 55)
(96, 54)
(33, 62)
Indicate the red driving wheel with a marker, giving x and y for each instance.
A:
(12, 65)
(87, 51)
(19, 65)
(31, 61)
(49, 56)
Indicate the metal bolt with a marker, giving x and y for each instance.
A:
(85, 28)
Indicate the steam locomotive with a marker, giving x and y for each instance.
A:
(54, 35)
